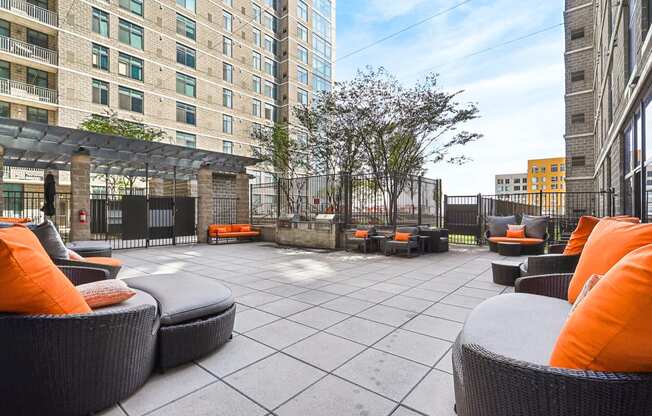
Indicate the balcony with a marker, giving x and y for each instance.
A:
(28, 54)
(30, 15)
(28, 94)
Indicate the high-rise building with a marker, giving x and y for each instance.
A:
(511, 183)
(205, 71)
(609, 100)
(547, 175)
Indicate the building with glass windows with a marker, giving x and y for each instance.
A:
(511, 183)
(608, 100)
(204, 71)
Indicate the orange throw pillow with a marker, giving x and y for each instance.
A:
(402, 237)
(30, 282)
(581, 234)
(516, 233)
(245, 229)
(105, 292)
(610, 241)
(105, 261)
(361, 234)
(610, 329)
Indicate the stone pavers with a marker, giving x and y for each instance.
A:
(320, 333)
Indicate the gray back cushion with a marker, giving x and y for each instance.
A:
(411, 230)
(535, 227)
(50, 239)
(498, 225)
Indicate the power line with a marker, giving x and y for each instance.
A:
(393, 35)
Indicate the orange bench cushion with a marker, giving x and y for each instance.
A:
(221, 230)
(240, 234)
(610, 329)
(524, 241)
(12, 220)
(30, 282)
(105, 261)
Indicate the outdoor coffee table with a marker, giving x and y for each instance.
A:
(506, 272)
(509, 249)
(379, 242)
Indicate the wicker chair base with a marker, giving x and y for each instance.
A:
(505, 272)
(179, 344)
(530, 249)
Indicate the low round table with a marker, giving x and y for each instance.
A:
(506, 272)
(509, 249)
(91, 248)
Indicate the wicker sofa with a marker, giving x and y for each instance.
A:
(500, 361)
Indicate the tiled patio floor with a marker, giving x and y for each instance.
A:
(320, 333)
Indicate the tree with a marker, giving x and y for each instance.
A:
(111, 124)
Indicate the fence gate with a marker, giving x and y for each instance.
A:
(462, 218)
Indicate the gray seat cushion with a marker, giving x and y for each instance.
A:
(535, 227)
(517, 325)
(498, 225)
(184, 298)
(51, 240)
(82, 247)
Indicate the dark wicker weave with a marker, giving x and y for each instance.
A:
(71, 365)
(556, 248)
(552, 285)
(505, 272)
(82, 275)
(113, 271)
(183, 343)
(363, 244)
(549, 264)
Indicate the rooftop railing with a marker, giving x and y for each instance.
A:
(27, 50)
(30, 10)
(28, 91)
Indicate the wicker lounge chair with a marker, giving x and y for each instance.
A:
(392, 246)
(359, 243)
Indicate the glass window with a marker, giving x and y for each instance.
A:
(270, 90)
(37, 115)
(227, 98)
(227, 47)
(303, 54)
(186, 113)
(100, 57)
(188, 4)
(269, 21)
(271, 3)
(37, 38)
(43, 4)
(228, 21)
(256, 34)
(37, 77)
(185, 55)
(270, 67)
(256, 107)
(5, 109)
(302, 10)
(322, 47)
(320, 84)
(186, 27)
(130, 100)
(302, 75)
(321, 25)
(648, 130)
(100, 92)
(227, 73)
(321, 67)
(631, 36)
(134, 6)
(256, 60)
(323, 7)
(186, 139)
(255, 84)
(270, 44)
(5, 70)
(5, 30)
(255, 9)
(227, 147)
(302, 96)
(270, 112)
(130, 34)
(228, 3)
(100, 22)
(186, 85)
(227, 124)
(130, 66)
(302, 33)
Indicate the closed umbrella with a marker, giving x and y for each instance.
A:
(49, 191)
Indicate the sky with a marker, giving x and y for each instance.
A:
(518, 87)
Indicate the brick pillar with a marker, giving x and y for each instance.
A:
(2, 171)
(80, 194)
(204, 202)
(242, 193)
(155, 187)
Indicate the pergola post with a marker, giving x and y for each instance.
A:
(242, 193)
(80, 195)
(2, 171)
(204, 203)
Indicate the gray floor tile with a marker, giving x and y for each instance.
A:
(161, 389)
(217, 399)
(434, 395)
(387, 315)
(453, 313)
(285, 290)
(333, 396)
(339, 288)
(315, 297)
(348, 305)
(234, 355)
(463, 301)
(274, 380)
(446, 363)
(416, 347)
(434, 327)
(325, 351)
(252, 318)
(371, 295)
(318, 317)
(285, 307)
(407, 303)
(404, 411)
(390, 376)
(257, 298)
(360, 330)
(113, 411)
(281, 334)
(425, 294)
(475, 293)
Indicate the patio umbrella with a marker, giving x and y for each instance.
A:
(49, 191)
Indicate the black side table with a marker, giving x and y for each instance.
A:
(506, 272)
(379, 242)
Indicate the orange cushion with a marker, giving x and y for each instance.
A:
(30, 282)
(105, 292)
(235, 228)
(105, 261)
(361, 233)
(516, 233)
(609, 242)
(524, 241)
(12, 220)
(245, 228)
(581, 234)
(402, 236)
(610, 329)
(240, 234)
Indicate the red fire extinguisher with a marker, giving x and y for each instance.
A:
(82, 216)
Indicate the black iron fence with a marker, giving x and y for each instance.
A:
(225, 210)
(465, 216)
(355, 199)
(19, 204)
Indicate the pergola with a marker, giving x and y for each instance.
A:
(35, 145)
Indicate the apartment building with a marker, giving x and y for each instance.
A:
(511, 183)
(205, 71)
(547, 175)
(616, 152)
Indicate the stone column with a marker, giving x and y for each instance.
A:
(155, 187)
(80, 194)
(2, 171)
(242, 193)
(204, 202)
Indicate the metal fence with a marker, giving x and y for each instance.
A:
(356, 199)
(465, 216)
(225, 210)
(19, 204)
